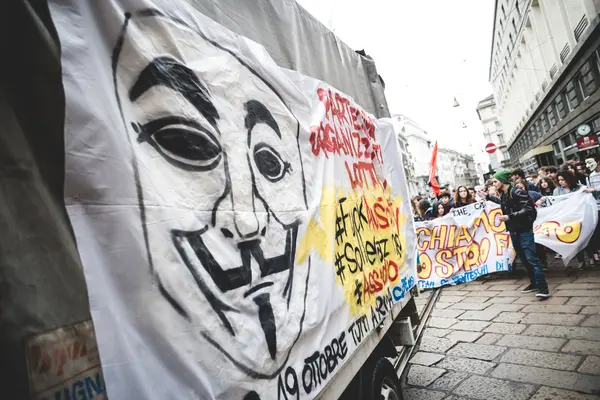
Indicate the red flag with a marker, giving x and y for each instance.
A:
(432, 167)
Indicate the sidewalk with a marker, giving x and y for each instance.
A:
(486, 340)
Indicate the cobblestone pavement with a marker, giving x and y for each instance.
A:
(486, 340)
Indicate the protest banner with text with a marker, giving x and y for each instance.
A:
(460, 247)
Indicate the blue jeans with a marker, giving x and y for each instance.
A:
(525, 248)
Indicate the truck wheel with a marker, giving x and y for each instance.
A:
(384, 384)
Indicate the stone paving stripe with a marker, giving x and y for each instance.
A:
(541, 359)
(532, 343)
(485, 315)
(511, 293)
(505, 307)
(588, 279)
(578, 286)
(450, 298)
(479, 293)
(590, 310)
(584, 301)
(504, 328)
(449, 380)
(591, 365)
(450, 288)
(548, 393)
(423, 394)
(484, 388)
(592, 320)
(502, 300)
(509, 317)
(441, 305)
(534, 300)
(466, 365)
(477, 299)
(439, 322)
(476, 288)
(454, 292)
(485, 352)
(560, 279)
(566, 332)
(422, 376)
(503, 282)
(577, 293)
(553, 319)
(446, 313)
(436, 345)
(551, 308)
(503, 288)
(578, 346)
(489, 338)
(436, 332)
(469, 306)
(464, 336)
(549, 377)
(474, 326)
(424, 358)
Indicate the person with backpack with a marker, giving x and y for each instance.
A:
(519, 213)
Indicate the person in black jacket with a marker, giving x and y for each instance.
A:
(519, 214)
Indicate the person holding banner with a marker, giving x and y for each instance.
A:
(568, 183)
(519, 214)
(593, 165)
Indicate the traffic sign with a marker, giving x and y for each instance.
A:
(490, 148)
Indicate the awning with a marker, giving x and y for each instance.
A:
(535, 152)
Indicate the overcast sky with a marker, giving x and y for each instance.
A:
(428, 52)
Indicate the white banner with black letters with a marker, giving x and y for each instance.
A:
(237, 223)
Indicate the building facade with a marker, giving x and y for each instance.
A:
(456, 169)
(493, 133)
(408, 163)
(545, 72)
(418, 148)
(453, 168)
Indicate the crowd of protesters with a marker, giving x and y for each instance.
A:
(548, 181)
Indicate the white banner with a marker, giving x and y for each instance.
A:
(567, 223)
(238, 224)
(472, 242)
(462, 246)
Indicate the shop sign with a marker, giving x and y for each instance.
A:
(587, 142)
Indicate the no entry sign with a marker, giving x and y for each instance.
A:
(490, 148)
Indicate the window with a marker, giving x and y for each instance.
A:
(574, 95)
(545, 122)
(510, 38)
(501, 138)
(503, 11)
(514, 25)
(498, 127)
(517, 8)
(588, 79)
(551, 116)
(556, 148)
(596, 124)
(566, 140)
(561, 106)
(538, 129)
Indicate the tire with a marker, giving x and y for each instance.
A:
(384, 382)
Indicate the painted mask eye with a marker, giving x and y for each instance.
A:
(269, 162)
(184, 143)
(189, 146)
